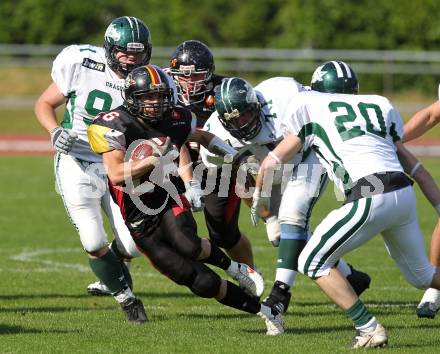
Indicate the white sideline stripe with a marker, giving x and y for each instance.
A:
(25, 145)
(28, 256)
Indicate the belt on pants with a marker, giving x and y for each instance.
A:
(377, 183)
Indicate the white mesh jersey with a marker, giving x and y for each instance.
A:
(274, 95)
(352, 135)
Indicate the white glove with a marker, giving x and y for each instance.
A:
(273, 230)
(62, 139)
(258, 201)
(194, 195)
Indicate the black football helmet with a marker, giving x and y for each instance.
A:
(191, 58)
(127, 34)
(335, 77)
(145, 80)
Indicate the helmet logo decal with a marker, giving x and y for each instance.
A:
(319, 74)
(112, 33)
(174, 62)
(234, 114)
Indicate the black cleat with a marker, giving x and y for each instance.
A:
(134, 310)
(279, 297)
(358, 280)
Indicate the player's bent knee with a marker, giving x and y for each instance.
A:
(94, 246)
(190, 248)
(421, 278)
(206, 284)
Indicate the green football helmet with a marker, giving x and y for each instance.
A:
(238, 108)
(127, 34)
(335, 77)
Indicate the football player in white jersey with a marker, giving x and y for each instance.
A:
(249, 119)
(355, 138)
(420, 123)
(89, 80)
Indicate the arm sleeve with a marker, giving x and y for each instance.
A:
(65, 68)
(296, 121)
(104, 139)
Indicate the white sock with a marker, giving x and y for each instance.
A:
(431, 295)
(287, 276)
(233, 267)
(369, 326)
(343, 268)
(124, 295)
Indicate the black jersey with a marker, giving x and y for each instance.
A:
(118, 129)
(203, 110)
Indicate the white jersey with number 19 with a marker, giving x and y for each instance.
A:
(83, 76)
(352, 135)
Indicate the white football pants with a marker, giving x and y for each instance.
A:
(84, 190)
(393, 214)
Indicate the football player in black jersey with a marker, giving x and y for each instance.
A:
(192, 68)
(163, 228)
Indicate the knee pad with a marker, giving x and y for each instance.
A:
(91, 243)
(421, 278)
(206, 284)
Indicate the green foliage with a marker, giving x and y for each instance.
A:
(361, 24)
(317, 24)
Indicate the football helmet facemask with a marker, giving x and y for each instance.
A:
(335, 77)
(130, 35)
(238, 108)
(148, 94)
(191, 66)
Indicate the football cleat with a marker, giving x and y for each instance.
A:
(427, 310)
(247, 278)
(98, 289)
(134, 310)
(429, 305)
(358, 280)
(279, 297)
(371, 339)
(273, 319)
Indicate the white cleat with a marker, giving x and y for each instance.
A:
(274, 321)
(429, 305)
(247, 278)
(371, 339)
(98, 289)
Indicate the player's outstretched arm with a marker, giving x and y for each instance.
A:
(423, 178)
(421, 122)
(212, 143)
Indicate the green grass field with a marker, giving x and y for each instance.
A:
(44, 272)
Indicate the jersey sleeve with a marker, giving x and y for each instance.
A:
(297, 121)
(396, 125)
(65, 68)
(104, 139)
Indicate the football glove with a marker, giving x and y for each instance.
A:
(258, 201)
(62, 139)
(273, 230)
(194, 195)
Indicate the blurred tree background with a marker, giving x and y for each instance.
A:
(311, 24)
